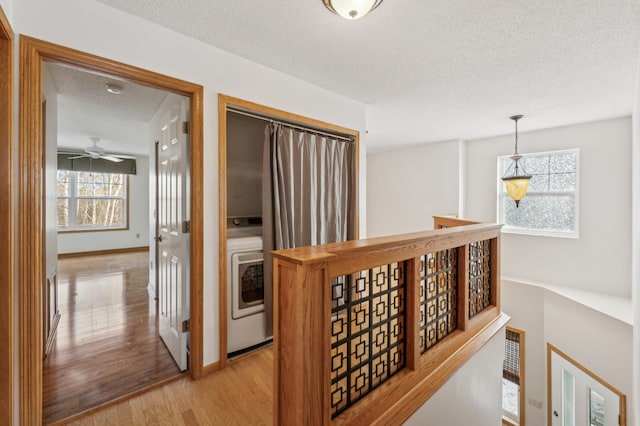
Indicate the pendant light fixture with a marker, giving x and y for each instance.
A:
(518, 183)
(351, 9)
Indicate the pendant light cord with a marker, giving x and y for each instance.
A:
(516, 153)
(516, 156)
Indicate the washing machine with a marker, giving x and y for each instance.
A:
(246, 320)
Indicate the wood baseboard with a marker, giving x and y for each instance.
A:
(99, 252)
(211, 368)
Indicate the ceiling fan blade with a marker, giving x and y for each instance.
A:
(75, 157)
(123, 156)
(111, 158)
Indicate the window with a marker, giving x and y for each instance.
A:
(551, 204)
(89, 201)
(513, 378)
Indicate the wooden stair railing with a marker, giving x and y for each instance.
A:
(366, 331)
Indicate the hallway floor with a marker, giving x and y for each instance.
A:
(239, 395)
(107, 344)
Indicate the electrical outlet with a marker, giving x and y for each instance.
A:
(535, 402)
(137, 235)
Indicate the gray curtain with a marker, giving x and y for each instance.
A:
(308, 194)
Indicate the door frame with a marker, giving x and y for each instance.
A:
(33, 53)
(552, 349)
(7, 248)
(225, 102)
(521, 398)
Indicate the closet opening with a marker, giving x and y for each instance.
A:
(258, 145)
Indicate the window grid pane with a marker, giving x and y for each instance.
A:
(63, 183)
(101, 213)
(63, 212)
(89, 201)
(551, 203)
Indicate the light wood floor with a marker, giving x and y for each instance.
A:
(241, 394)
(107, 342)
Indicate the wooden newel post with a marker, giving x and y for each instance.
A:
(302, 345)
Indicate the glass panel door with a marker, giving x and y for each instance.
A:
(579, 397)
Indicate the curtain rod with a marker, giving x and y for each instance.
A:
(287, 124)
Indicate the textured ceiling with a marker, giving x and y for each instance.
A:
(86, 109)
(432, 70)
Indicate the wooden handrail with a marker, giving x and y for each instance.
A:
(440, 222)
(326, 296)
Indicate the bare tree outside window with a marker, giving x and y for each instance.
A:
(89, 200)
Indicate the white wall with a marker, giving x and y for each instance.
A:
(605, 221)
(98, 29)
(635, 281)
(600, 259)
(405, 188)
(525, 306)
(472, 395)
(138, 233)
(599, 342)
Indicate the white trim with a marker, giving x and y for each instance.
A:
(540, 232)
(617, 307)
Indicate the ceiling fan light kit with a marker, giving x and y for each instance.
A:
(351, 9)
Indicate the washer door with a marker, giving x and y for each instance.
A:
(247, 290)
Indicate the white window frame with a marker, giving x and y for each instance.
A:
(72, 207)
(501, 191)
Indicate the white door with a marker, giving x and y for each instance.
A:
(579, 399)
(173, 236)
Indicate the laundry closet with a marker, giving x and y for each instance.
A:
(246, 317)
(288, 184)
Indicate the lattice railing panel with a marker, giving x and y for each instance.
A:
(367, 332)
(438, 297)
(479, 277)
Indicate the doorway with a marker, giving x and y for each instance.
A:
(100, 287)
(513, 378)
(31, 194)
(577, 396)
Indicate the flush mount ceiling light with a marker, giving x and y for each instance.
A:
(114, 88)
(517, 183)
(351, 9)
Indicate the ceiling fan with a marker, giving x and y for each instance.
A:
(97, 152)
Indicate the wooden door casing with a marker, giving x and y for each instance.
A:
(33, 53)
